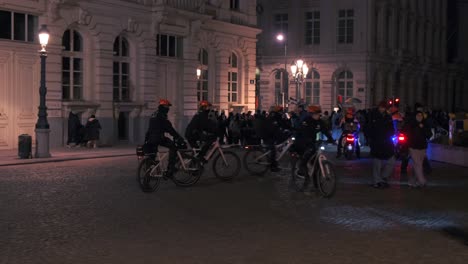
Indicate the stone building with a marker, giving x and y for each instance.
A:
(364, 49)
(116, 58)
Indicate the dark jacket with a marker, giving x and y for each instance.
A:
(92, 129)
(158, 126)
(417, 135)
(306, 133)
(201, 123)
(74, 128)
(380, 135)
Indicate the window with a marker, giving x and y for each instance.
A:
(280, 87)
(72, 65)
(281, 23)
(234, 4)
(233, 79)
(345, 84)
(169, 46)
(202, 84)
(345, 26)
(312, 28)
(18, 26)
(121, 70)
(312, 88)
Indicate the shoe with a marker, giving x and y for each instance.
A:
(275, 169)
(379, 185)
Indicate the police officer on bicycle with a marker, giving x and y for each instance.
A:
(202, 128)
(306, 138)
(159, 125)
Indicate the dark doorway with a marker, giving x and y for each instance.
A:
(123, 126)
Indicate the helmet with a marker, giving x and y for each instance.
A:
(314, 109)
(164, 102)
(350, 111)
(204, 104)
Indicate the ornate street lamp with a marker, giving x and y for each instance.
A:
(282, 39)
(299, 72)
(42, 125)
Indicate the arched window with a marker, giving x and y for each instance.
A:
(312, 88)
(233, 79)
(345, 84)
(202, 85)
(72, 65)
(121, 70)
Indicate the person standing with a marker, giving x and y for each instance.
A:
(381, 145)
(93, 129)
(418, 134)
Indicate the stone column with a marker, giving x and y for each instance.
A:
(379, 86)
(411, 91)
(418, 85)
(420, 38)
(389, 91)
(429, 39)
(443, 36)
(381, 20)
(403, 30)
(450, 92)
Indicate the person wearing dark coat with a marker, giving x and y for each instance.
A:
(92, 128)
(202, 128)
(159, 125)
(382, 149)
(418, 134)
(74, 130)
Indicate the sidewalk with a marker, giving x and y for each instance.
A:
(10, 157)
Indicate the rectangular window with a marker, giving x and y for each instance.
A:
(345, 30)
(202, 86)
(312, 92)
(232, 87)
(18, 26)
(72, 78)
(234, 4)
(120, 81)
(312, 28)
(281, 23)
(169, 46)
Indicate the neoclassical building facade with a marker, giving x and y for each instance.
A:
(116, 58)
(368, 50)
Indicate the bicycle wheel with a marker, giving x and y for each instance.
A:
(229, 169)
(149, 179)
(186, 178)
(256, 162)
(326, 183)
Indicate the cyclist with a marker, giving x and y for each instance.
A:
(202, 128)
(306, 137)
(159, 125)
(349, 124)
(271, 130)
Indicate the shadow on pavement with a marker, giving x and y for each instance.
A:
(456, 233)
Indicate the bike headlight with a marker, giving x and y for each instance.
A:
(322, 147)
(293, 138)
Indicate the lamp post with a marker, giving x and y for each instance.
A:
(42, 126)
(282, 39)
(299, 72)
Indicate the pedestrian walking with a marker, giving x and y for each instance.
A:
(418, 134)
(92, 131)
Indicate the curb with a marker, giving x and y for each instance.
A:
(50, 160)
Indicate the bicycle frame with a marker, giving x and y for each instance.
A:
(318, 157)
(163, 156)
(285, 146)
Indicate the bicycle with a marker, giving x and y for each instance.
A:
(320, 170)
(153, 166)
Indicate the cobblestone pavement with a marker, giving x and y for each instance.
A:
(92, 211)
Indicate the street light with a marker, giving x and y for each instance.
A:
(299, 72)
(282, 39)
(198, 73)
(42, 126)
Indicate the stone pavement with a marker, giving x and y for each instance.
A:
(92, 211)
(10, 157)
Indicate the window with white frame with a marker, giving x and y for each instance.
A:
(72, 65)
(312, 88)
(202, 84)
(233, 79)
(281, 86)
(281, 23)
(312, 28)
(345, 84)
(121, 70)
(18, 26)
(169, 46)
(345, 26)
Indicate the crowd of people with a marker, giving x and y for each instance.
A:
(83, 135)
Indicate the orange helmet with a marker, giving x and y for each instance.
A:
(205, 103)
(314, 109)
(350, 111)
(276, 108)
(164, 102)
